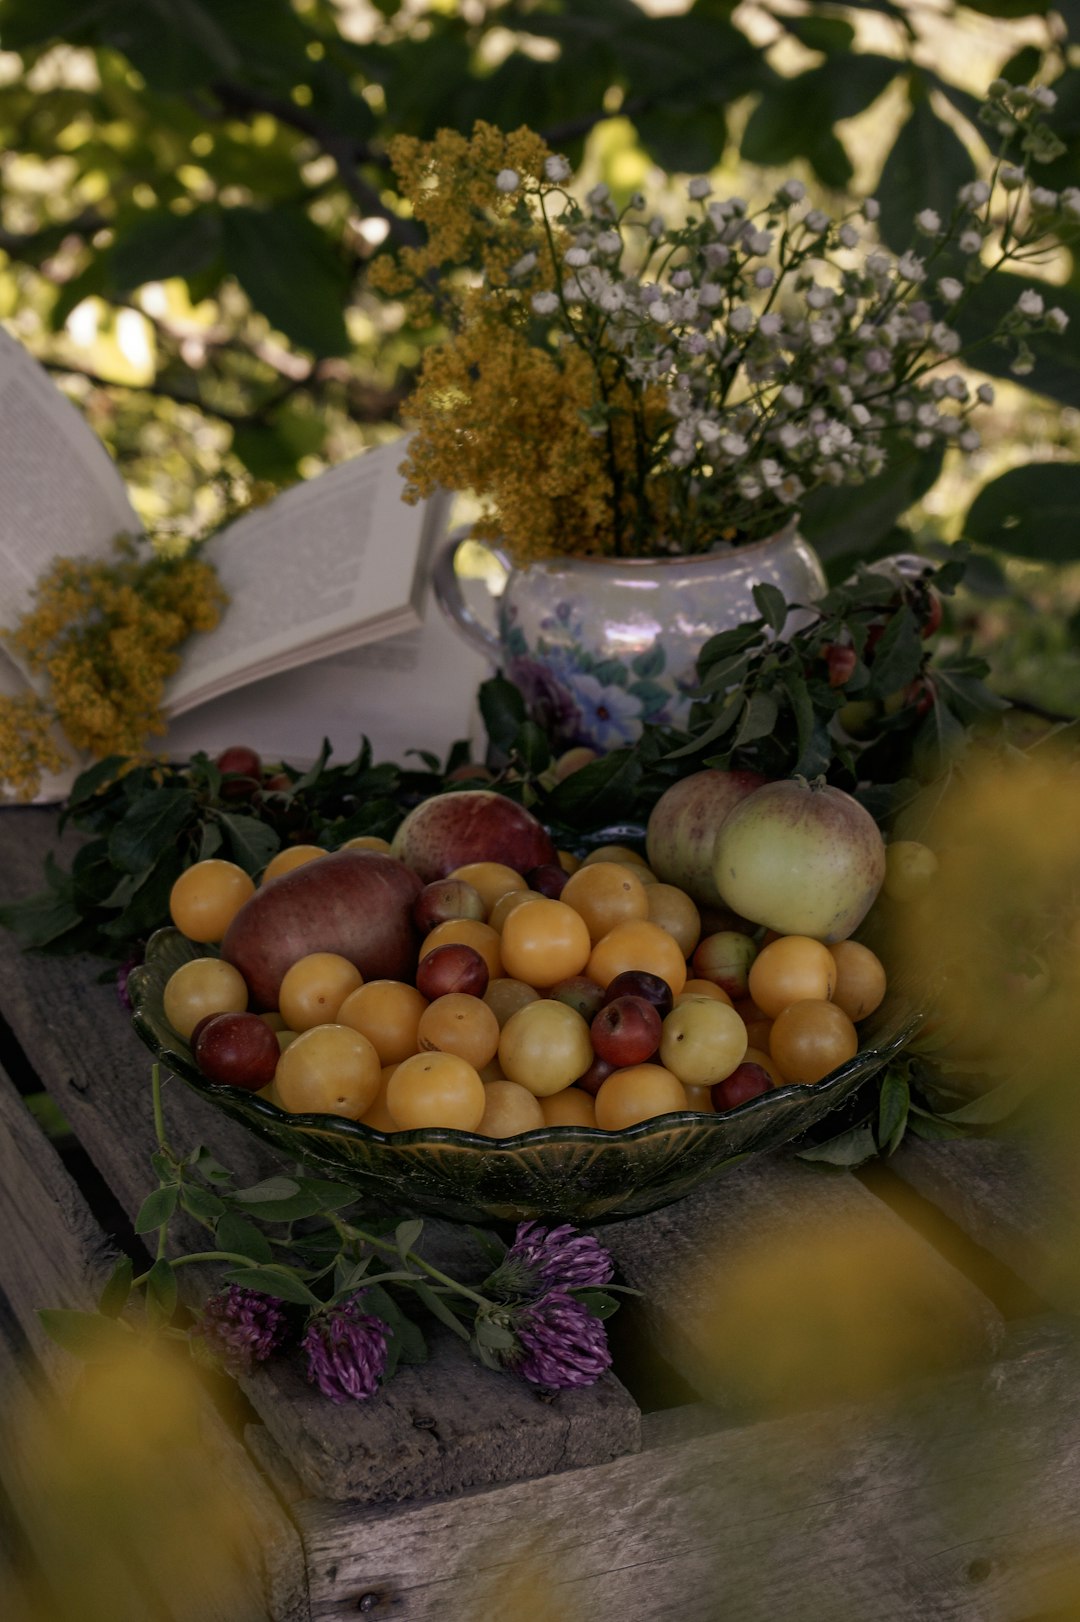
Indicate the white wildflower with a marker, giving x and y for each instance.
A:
(717, 255)
(1056, 319)
(1030, 302)
(818, 297)
(655, 227)
(771, 324)
(681, 279)
(1042, 197)
(659, 310)
(710, 296)
(848, 236)
(757, 242)
(871, 209)
(741, 318)
(612, 298)
(749, 487)
(709, 430)
(950, 289)
(764, 276)
(792, 191)
(928, 221)
(910, 268)
(821, 333)
(878, 264)
(876, 361)
(790, 489)
(985, 394)
(956, 388)
(944, 338)
(922, 442)
(969, 440)
(507, 180)
(926, 415)
(1044, 97)
(792, 395)
(771, 472)
(1011, 176)
(817, 221)
(860, 416)
(1070, 201)
(609, 242)
(903, 411)
(598, 196)
(969, 242)
(576, 257)
(974, 194)
(733, 445)
(545, 303)
(698, 188)
(523, 266)
(556, 168)
(1022, 365)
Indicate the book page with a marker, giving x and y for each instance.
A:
(416, 690)
(328, 565)
(62, 495)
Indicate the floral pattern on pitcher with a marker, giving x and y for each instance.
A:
(580, 696)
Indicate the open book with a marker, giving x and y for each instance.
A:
(329, 630)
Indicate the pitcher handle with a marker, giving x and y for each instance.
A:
(448, 594)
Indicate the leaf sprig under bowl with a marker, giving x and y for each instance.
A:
(576, 1174)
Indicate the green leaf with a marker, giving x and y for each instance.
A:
(598, 792)
(925, 169)
(331, 1196)
(161, 1292)
(281, 1283)
(88, 784)
(1030, 512)
(821, 33)
(160, 244)
(406, 1235)
(990, 1108)
(243, 1238)
(771, 604)
(494, 1337)
(271, 1188)
(41, 920)
(759, 718)
(502, 709)
(157, 1208)
(200, 1203)
(251, 843)
(89, 1335)
(408, 1339)
(893, 1105)
(599, 1303)
(114, 1297)
(802, 708)
(292, 273)
(531, 749)
(154, 821)
(441, 1309)
(650, 663)
(848, 1149)
(898, 655)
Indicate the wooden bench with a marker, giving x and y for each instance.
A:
(459, 1493)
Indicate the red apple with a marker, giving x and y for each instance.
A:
(473, 825)
(626, 1031)
(354, 902)
(242, 769)
(454, 967)
(747, 1080)
(239, 1049)
(681, 835)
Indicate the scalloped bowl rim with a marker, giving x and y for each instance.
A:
(441, 1137)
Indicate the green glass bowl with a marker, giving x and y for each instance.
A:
(568, 1173)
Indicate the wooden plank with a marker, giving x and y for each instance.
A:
(948, 1505)
(450, 1425)
(55, 1255)
(771, 1214)
(439, 1427)
(1003, 1194)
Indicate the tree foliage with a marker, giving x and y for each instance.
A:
(213, 173)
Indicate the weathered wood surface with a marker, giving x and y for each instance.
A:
(1003, 1195)
(950, 1505)
(766, 1209)
(54, 1254)
(435, 1429)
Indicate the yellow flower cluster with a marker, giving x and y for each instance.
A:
(105, 636)
(496, 411)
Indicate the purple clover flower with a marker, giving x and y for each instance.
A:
(560, 1258)
(563, 1345)
(242, 1326)
(346, 1352)
(123, 974)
